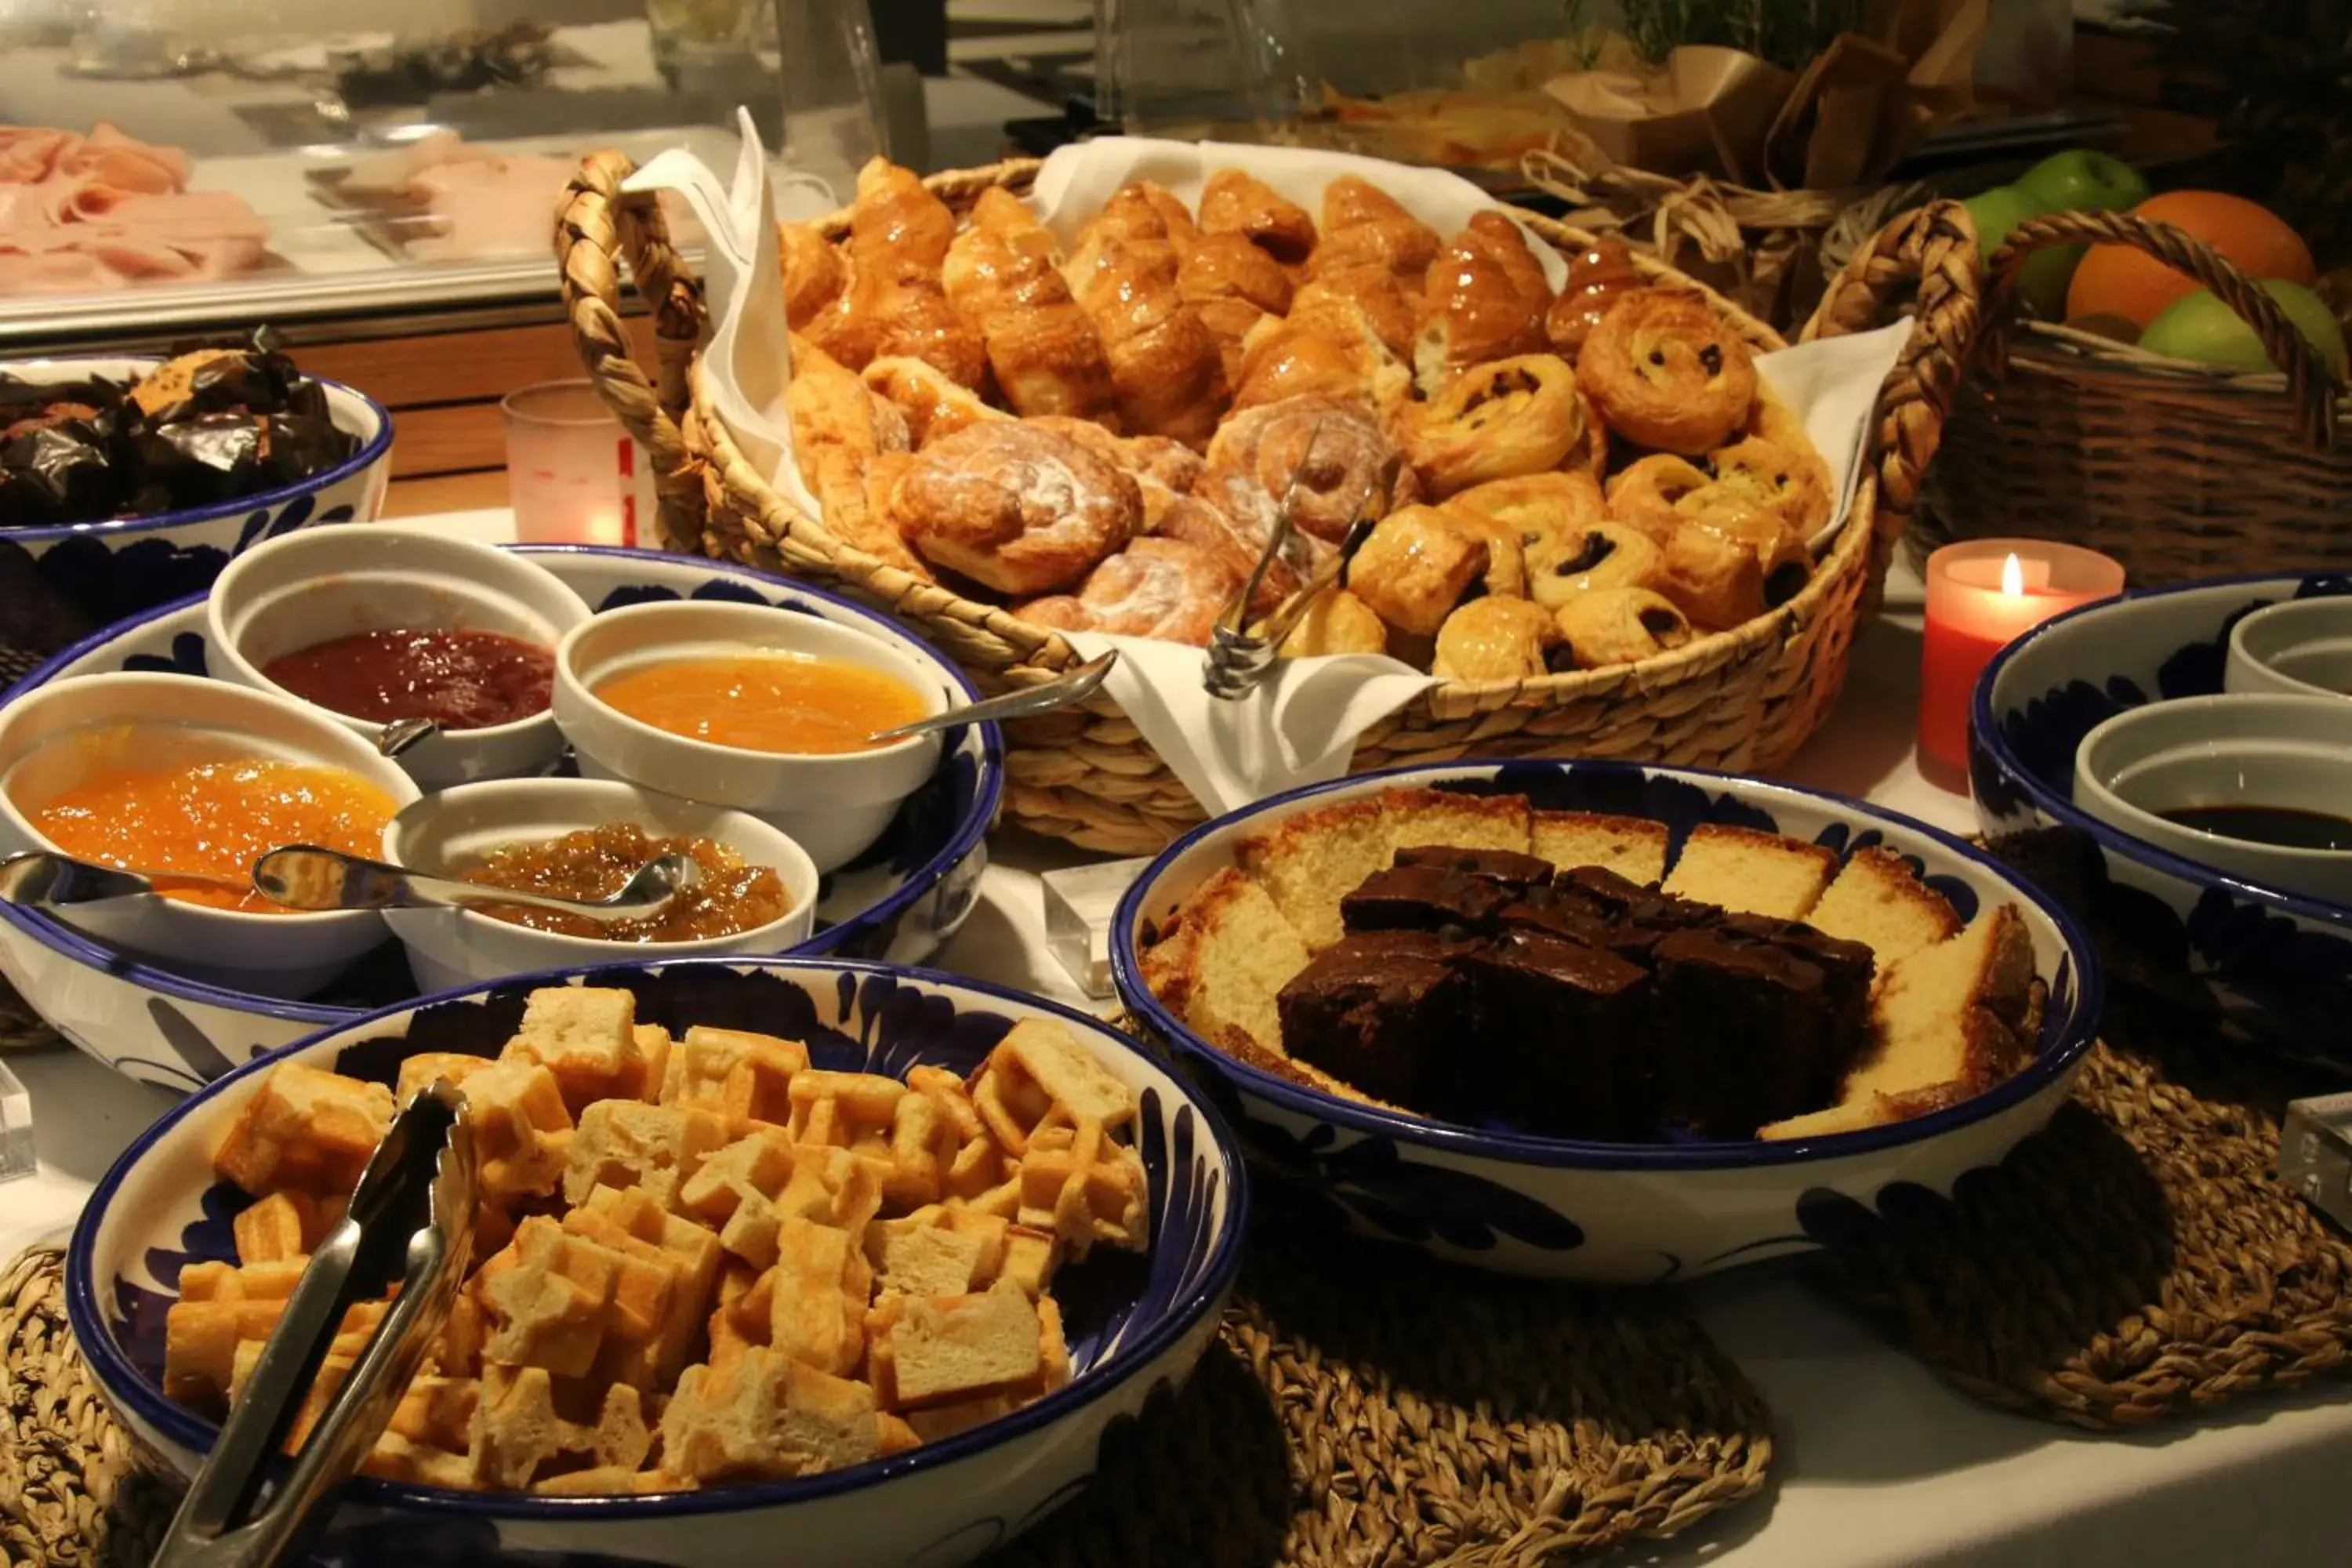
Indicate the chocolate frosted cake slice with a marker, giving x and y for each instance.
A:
(1757, 1025)
(1388, 1012)
(1563, 1047)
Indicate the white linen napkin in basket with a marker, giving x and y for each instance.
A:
(1300, 728)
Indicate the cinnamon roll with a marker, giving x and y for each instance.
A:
(1019, 508)
(1666, 372)
(1496, 421)
(1328, 454)
(1162, 588)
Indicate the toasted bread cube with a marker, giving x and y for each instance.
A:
(766, 1415)
(895, 1436)
(964, 1347)
(627, 1144)
(396, 1459)
(947, 1420)
(547, 1297)
(611, 1481)
(1751, 872)
(923, 1255)
(587, 1036)
(1632, 847)
(305, 1128)
(735, 1189)
(732, 1073)
(521, 1432)
(822, 1286)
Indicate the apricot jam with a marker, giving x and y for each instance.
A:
(215, 817)
(592, 863)
(761, 701)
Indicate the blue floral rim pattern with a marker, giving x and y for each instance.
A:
(1985, 733)
(63, 940)
(88, 1319)
(372, 450)
(2055, 1057)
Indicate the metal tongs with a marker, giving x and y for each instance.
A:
(411, 1222)
(1241, 658)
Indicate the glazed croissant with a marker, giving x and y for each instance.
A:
(1376, 254)
(1048, 357)
(1233, 285)
(1165, 369)
(1485, 298)
(1236, 202)
(840, 430)
(893, 303)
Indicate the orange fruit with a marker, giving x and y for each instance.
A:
(2119, 280)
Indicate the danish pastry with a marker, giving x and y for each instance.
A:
(1536, 506)
(1780, 549)
(1791, 483)
(1666, 370)
(932, 403)
(1162, 588)
(1327, 454)
(1018, 508)
(1235, 202)
(1495, 639)
(1620, 626)
(1162, 470)
(1233, 285)
(1514, 416)
(1336, 622)
(1045, 350)
(1596, 555)
(1646, 494)
(1414, 567)
(839, 429)
(1483, 299)
(814, 272)
(1716, 580)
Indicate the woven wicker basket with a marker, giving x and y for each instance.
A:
(2177, 470)
(1741, 700)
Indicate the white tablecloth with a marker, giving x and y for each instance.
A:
(1877, 1464)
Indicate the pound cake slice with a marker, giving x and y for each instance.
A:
(1226, 972)
(1948, 1022)
(1751, 872)
(1879, 902)
(1632, 847)
(1419, 817)
(1311, 861)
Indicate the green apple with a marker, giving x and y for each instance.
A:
(1999, 210)
(2083, 180)
(2043, 282)
(2200, 327)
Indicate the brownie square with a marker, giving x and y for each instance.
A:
(1388, 1012)
(1747, 1023)
(1422, 898)
(1562, 1048)
(1516, 872)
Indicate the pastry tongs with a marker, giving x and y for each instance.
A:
(410, 1225)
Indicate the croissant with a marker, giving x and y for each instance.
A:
(814, 273)
(896, 228)
(1233, 285)
(893, 304)
(1374, 253)
(1165, 368)
(1485, 298)
(1327, 347)
(839, 431)
(913, 319)
(1173, 214)
(1131, 223)
(1235, 202)
(932, 403)
(1046, 356)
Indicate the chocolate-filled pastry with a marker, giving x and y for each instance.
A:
(1017, 508)
(1162, 588)
(1513, 416)
(1507, 559)
(1792, 483)
(1235, 202)
(1328, 454)
(1336, 622)
(1598, 555)
(1620, 626)
(1646, 494)
(1495, 638)
(1666, 372)
(1365, 1010)
(1414, 567)
(1717, 580)
(1537, 506)
(1780, 553)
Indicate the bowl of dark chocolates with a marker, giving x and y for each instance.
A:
(1604, 1021)
(128, 482)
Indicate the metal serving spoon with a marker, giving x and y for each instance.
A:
(310, 876)
(1071, 686)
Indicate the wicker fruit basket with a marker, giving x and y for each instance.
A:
(1743, 699)
(2177, 470)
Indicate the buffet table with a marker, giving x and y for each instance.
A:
(1877, 1461)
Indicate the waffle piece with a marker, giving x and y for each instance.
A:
(632, 1223)
(519, 1433)
(1751, 872)
(851, 1110)
(1309, 861)
(1081, 1187)
(735, 1190)
(655, 1045)
(569, 1302)
(1878, 900)
(1038, 1079)
(587, 1036)
(734, 1074)
(522, 1133)
(1635, 847)
(285, 1225)
(944, 1350)
(626, 1143)
(421, 1071)
(304, 1128)
(937, 1251)
(818, 1297)
(220, 1307)
(940, 1146)
(766, 1415)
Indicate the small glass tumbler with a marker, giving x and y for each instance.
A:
(573, 475)
(829, 77)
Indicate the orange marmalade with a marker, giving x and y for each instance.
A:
(763, 701)
(213, 818)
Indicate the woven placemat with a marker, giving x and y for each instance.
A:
(1360, 1407)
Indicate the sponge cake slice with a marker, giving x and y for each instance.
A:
(1632, 847)
(1443, 818)
(1311, 861)
(1878, 901)
(1223, 974)
(1751, 872)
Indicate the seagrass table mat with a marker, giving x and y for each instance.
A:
(1358, 1407)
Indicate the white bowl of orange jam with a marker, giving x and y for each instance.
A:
(756, 892)
(758, 710)
(158, 773)
(378, 623)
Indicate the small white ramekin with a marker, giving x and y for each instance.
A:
(2300, 648)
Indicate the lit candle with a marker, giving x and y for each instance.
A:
(573, 476)
(1981, 597)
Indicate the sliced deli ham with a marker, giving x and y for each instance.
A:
(101, 211)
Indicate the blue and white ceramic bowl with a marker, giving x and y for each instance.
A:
(1134, 1323)
(109, 570)
(2267, 966)
(1622, 1211)
(899, 901)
